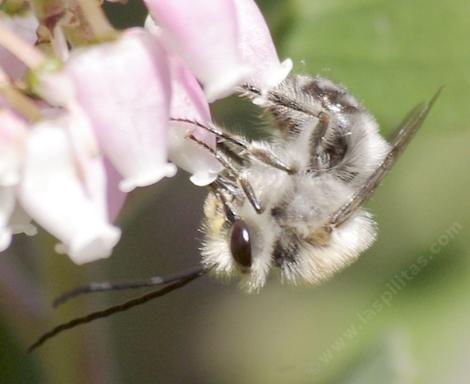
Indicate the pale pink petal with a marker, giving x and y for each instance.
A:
(20, 222)
(188, 99)
(87, 156)
(25, 27)
(115, 197)
(191, 157)
(52, 192)
(13, 142)
(7, 204)
(257, 48)
(13, 134)
(56, 87)
(124, 88)
(204, 34)
(188, 102)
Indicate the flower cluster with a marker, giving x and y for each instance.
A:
(88, 113)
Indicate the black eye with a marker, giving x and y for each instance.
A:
(240, 243)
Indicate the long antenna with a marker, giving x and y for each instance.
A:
(115, 309)
(134, 284)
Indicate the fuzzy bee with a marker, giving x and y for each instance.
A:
(293, 202)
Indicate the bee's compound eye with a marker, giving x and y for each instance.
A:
(240, 243)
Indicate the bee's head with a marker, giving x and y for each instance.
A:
(237, 246)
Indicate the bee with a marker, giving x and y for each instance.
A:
(293, 202)
(282, 203)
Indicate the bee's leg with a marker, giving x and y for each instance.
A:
(317, 142)
(226, 163)
(261, 154)
(228, 185)
(232, 138)
(266, 156)
(234, 155)
(234, 172)
(298, 106)
(250, 194)
(295, 112)
(229, 213)
(276, 98)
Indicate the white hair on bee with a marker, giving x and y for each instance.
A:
(346, 244)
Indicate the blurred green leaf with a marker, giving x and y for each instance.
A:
(387, 362)
(15, 366)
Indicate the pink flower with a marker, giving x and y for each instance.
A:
(124, 88)
(224, 43)
(257, 48)
(118, 97)
(204, 34)
(188, 102)
(63, 187)
(13, 139)
(13, 134)
(54, 173)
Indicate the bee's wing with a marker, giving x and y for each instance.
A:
(399, 140)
